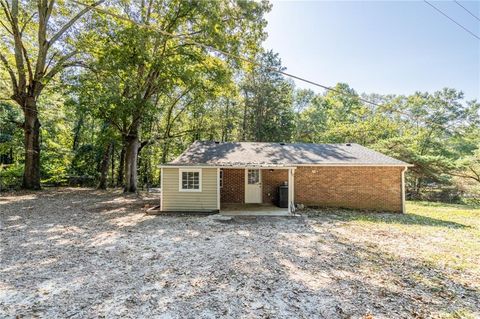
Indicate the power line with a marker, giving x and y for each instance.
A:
(451, 19)
(186, 38)
(467, 10)
(191, 41)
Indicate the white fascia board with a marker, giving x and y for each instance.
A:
(348, 164)
(286, 167)
(226, 167)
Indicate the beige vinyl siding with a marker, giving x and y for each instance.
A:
(175, 200)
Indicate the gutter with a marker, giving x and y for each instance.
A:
(260, 166)
(403, 188)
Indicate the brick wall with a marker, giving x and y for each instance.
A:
(233, 190)
(372, 188)
(270, 182)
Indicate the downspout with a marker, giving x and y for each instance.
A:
(403, 189)
(218, 189)
(161, 189)
(293, 190)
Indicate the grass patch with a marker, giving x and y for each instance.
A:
(447, 235)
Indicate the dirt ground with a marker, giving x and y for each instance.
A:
(76, 253)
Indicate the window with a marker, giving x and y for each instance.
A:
(253, 176)
(221, 178)
(190, 180)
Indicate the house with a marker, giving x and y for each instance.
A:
(210, 176)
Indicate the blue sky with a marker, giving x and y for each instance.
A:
(378, 47)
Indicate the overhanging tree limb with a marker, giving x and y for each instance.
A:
(69, 24)
(61, 63)
(13, 78)
(18, 44)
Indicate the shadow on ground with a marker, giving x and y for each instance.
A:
(80, 253)
(388, 218)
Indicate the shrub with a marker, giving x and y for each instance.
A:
(11, 176)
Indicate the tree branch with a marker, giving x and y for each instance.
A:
(475, 178)
(5, 27)
(27, 22)
(72, 21)
(10, 72)
(61, 64)
(168, 137)
(475, 173)
(18, 44)
(6, 10)
(29, 66)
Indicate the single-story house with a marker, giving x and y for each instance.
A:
(209, 176)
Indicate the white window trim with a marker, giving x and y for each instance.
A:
(191, 170)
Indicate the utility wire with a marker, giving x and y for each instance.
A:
(206, 46)
(451, 19)
(191, 41)
(467, 10)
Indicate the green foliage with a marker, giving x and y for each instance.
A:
(268, 102)
(10, 176)
(85, 161)
(9, 133)
(165, 92)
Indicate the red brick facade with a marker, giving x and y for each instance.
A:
(359, 187)
(271, 179)
(233, 190)
(371, 188)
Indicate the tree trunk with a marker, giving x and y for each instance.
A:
(104, 167)
(76, 136)
(164, 151)
(113, 164)
(244, 124)
(131, 162)
(121, 166)
(31, 129)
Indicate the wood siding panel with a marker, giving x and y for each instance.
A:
(174, 200)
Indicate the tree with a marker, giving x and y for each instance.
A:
(469, 167)
(268, 101)
(432, 135)
(32, 64)
(139, 72)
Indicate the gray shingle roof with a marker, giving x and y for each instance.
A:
(280, 154)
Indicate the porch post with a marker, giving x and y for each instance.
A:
(218, 189)
(291, 206)
(161, 189)
(293, 190)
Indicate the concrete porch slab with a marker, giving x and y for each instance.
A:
(253, 210)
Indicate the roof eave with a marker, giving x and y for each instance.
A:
(203, 165)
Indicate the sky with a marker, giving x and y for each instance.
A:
(381, 47)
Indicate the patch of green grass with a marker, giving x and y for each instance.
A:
(445, 234)
(459, 314)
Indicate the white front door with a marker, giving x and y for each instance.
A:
(253, 186)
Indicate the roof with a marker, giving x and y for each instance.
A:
(207, 153)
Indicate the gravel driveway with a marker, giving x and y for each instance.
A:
(76, 253)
